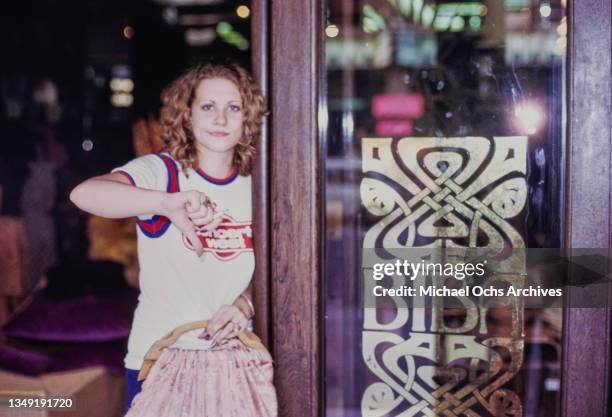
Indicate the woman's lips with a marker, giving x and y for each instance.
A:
(218, 134)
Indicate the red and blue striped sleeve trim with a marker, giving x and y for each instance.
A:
(127, 175)
(157, 225)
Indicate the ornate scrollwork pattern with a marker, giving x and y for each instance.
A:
(473, 185)
(454, 193)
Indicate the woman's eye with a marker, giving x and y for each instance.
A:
(234, 107)
(207, 107)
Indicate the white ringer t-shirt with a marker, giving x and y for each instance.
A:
(177, 287)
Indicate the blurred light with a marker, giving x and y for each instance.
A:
(378, 53)
(394, 127)
(128, 85)
(398, 106)
(561, 42)
(552, 384)
(200, 37)
(122, 99)
(462, 9)
(372, 21)
(224, 28)
(405, 6)
(322, 115)
(560, 46)
(87, 145)
(122, 85)
(442, 23)
(562, 28)
(427, 15)
(45, 93)
(559, 50)
(121, 71)
(170, 15)
(332, 31)
(457, 24)
(99, 81)
(128, 32)
(348, 123)
(417, 6)
(229, 35)
(529, 117)
(545, 10)
(475, 22)
(233, 37)
(242, 44)
(243, 11)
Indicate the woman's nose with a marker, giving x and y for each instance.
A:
(220, 118)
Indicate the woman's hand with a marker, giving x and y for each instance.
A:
(189, 210)
(114, 196)
(227, 322)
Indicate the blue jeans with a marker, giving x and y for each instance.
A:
(132, 386)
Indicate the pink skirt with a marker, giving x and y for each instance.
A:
(231, 380)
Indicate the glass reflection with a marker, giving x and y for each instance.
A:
(414, 89)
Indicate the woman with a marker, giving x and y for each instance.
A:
(193, 208)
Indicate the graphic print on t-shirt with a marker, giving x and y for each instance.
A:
(227, 241)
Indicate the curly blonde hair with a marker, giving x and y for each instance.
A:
(175, 118)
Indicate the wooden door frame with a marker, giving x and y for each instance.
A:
(261, 178)
(287, 56)
(287, 200)
(587, 331)
(295, 231)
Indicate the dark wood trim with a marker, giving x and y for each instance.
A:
(587, 340)
(295, 204)
(261, 190)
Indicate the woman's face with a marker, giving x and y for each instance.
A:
(217, 116)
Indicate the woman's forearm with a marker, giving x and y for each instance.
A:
(113, 198)
(245, 306)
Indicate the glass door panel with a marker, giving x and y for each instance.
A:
(444, 126)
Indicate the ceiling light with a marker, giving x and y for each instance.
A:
(243, 11)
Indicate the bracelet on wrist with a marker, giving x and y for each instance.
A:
(250, 306)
